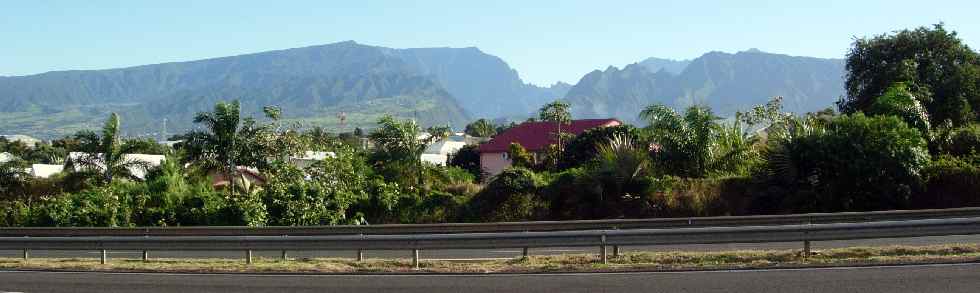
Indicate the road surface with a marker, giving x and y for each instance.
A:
(923, 278)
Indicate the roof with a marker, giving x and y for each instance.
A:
(535, 136)
(444, 147)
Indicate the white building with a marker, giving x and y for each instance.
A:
(45, 170)
(27, 140)
(6, 157)
(150, 160)
(308, 158)
(438, 153)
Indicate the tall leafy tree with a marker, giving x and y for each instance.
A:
(557, 112)
(110, 161)
(695, 144)
(940, 70)
(481, 128)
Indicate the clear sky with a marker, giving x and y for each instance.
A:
(546, 41)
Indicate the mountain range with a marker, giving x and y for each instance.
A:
(319, 85)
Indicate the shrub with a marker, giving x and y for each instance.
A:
(950, 182)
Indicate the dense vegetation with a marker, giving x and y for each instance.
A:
(891, 147)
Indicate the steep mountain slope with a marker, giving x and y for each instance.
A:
(312, 84)
(726, 82)
(484, 84)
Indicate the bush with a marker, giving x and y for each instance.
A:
(859, 163)
(950, 182)
(511, 196)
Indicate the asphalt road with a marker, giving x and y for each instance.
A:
(466, 254)
(924, 278)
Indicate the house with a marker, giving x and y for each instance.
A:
(308, 158)
(150, 160)
(44, 170)
(439, 152)
(533, 136)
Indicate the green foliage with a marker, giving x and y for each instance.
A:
(964, 141)
(695, 144)
(511, 196)
(519, 157)
(950, 182)
(324, 198)
(584, 147)
(468, 158)
(899, 101)
(481, 128)
(941, 71)
(859, 163)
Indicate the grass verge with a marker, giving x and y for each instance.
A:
(635, 261)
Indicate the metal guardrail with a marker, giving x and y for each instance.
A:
(815, 218)
(599, 238)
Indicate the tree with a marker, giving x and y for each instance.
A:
(399, 145)
(695, 144)
(558, 113)
(12, 177)
(511, 196)
(858, 163)
(620, 166)
(519, 157)
(110, 161)
(468, 158)
(940, 70)
(481, 128)
(230, 141)
(899, 101)
(585, 146)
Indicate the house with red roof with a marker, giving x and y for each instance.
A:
(533, 136)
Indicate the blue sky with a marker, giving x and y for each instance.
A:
(546, 41)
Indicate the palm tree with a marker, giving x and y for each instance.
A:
(216, 149)
(695, 144)
(620, 164)
(12, 176)
(110, 162)
(481, 128)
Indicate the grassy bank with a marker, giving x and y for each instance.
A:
(645, 261)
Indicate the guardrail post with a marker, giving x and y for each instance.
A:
(248, 256)
(105, 257)
(285, 256)
(615, 251)
(27, 254)
(602, 250)
(146, 255)
(415, 259)
(806, 242)
(524, 253)
(360, 255)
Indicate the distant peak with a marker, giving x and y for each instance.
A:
(753, 50)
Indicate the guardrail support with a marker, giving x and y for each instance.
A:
(615, 251)
(415, 259)
(248, 256)
(806, 249)
(524, 253)
(285, 256)
(146, 255)
(105, 257)
(602, 251)
(27, 254)
(360, 255)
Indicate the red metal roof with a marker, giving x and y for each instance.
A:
(535, 136)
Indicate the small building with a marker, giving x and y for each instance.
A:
(533, 136)
(220, 180)
(439, 152)
(45, 170)
(150, 160)
(308, 158)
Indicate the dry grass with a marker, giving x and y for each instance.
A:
(660, 261)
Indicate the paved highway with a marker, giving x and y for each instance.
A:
(509, 253)
(926, 278)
